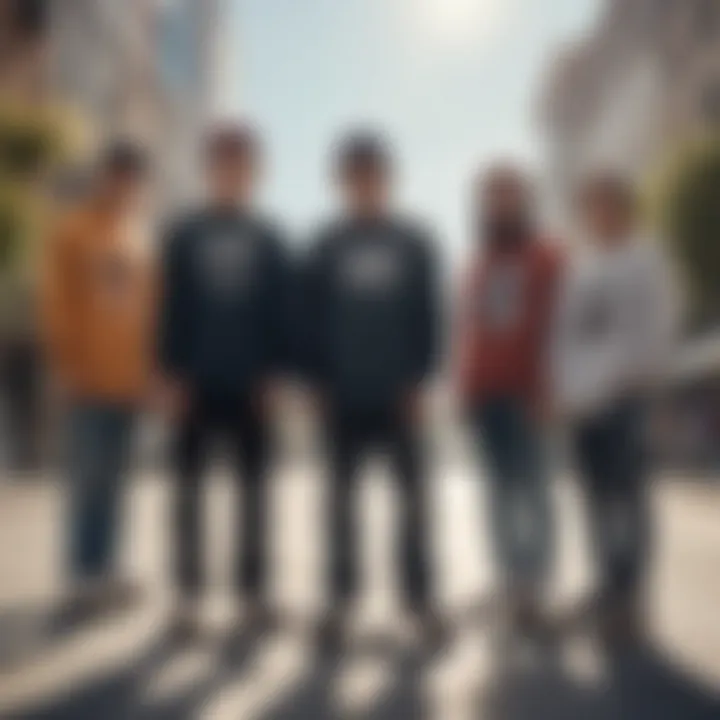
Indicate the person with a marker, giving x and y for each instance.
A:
(223, 348)
(615, 327)
(98, 295)
(504, 330)
(370, 342)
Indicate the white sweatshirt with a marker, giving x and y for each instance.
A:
(614, 326)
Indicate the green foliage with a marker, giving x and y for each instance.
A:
(32, 142)
(688, 207)
(16, 222)
(10, 233)
(29, 144)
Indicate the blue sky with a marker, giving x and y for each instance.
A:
(452, 81)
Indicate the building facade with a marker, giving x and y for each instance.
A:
(188, 33)
(646, 78)
(138, 68)
(111, 68)
(23, 26)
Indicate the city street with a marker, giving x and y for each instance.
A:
(397, 148)
(121, 669)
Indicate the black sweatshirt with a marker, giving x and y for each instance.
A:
(370, 311)
(224, 312)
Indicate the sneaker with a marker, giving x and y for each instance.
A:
(186, 627)
(524, 613)
(258, 617)
(93, 600)
(433, 630)
(621, 624)
(332, 633)
(121, 595)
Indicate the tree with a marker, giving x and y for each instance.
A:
(32, 143)
(688, 206)
(34, 140)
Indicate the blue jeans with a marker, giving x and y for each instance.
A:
(99, 448)
(519, 490)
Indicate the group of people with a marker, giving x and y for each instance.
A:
(225, 314)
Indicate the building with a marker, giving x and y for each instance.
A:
(22, 50)
(142, 68)
(139, 68)
(187, 53)
(113, 67)
(643, 80)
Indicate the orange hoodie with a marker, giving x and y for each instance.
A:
(98, 306)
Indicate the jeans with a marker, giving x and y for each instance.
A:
(351, 435)
(235, 419)
(610, 454)
(99, 449)
(520, 515)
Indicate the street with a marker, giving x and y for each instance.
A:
(121, 669)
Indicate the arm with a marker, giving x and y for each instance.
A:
(559, 359)
(58, 302)
(428, 309)
(312, 314)
(462, 332)
(656, 320)
(173, 307)
(278, 308)
(553, 326)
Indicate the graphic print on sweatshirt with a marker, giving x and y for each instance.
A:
(595, 312)
(224, 261)
(503, 297)
(371, 271)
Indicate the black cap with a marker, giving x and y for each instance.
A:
(364, 150)
(233, 140)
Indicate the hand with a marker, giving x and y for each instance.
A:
(172, 399)
(548, 412)
(413, 408)
(318, 402)
(267, 397)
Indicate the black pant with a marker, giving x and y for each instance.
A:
(610, 454)
(351, 434)
(20, 383)
(235, 419)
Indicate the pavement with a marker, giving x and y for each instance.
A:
(124, 668)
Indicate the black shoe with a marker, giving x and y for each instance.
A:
(122, 595)
(524, 629)
(258, 618)
(186, 628)
(332, 633)
(525, 616)
(433, 629)
(95, 602)
(621, 624)
(73, 614)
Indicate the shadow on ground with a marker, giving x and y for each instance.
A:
(639, 685)
(642, 684)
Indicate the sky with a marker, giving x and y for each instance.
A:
(453, 83)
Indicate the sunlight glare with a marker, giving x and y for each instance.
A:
(452, 21)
